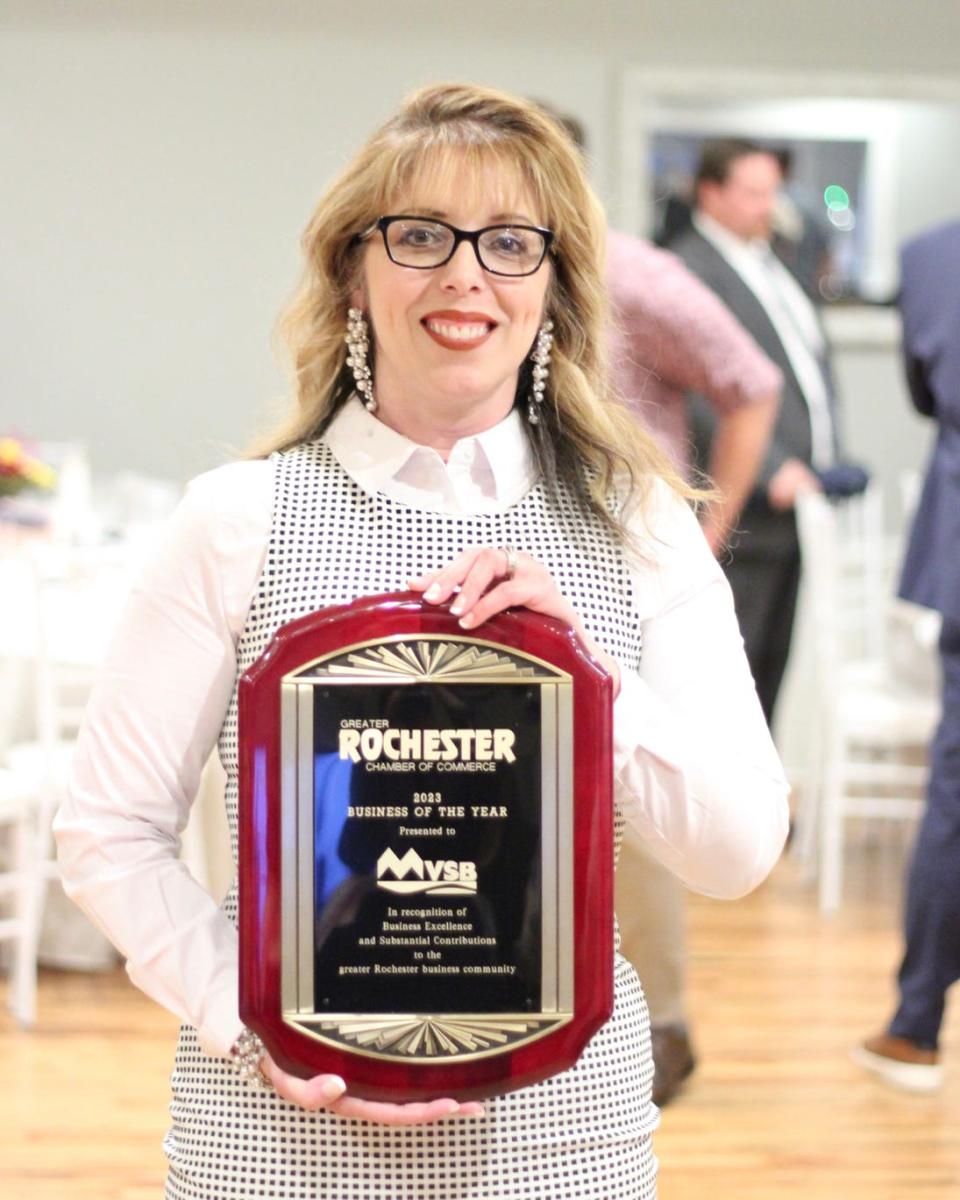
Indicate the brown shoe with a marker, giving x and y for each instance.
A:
(900, 1062)
(673, 1061)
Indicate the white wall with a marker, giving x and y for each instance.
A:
(929, 174)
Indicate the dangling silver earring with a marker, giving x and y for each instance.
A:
(358, 344)
(540, 357)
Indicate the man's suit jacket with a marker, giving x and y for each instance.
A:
(791, 437)
(930, 307)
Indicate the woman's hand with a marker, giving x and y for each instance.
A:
(486, 588)
(329, 1091)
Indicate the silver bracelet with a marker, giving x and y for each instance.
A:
(246, 1052)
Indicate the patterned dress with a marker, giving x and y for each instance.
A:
(584, 1134)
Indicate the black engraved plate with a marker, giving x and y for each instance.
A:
(427, 871)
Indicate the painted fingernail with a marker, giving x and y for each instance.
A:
(432, 592)
(472, 1110)
(456, 607)
(467, 621)
(332, 1090)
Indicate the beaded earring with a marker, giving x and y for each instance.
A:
(358, 344)
(539, 357)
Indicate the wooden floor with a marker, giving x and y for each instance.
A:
(776, 1109)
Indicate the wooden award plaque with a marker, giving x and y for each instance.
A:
(426, 849)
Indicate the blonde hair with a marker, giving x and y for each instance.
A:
(586, 437)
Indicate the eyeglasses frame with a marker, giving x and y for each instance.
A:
(460, 235)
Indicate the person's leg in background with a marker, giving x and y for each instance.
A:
(907, 1055)
(764, 575)
(651, 911)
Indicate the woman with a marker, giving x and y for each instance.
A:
(468, 441)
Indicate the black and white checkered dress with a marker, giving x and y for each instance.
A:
(584, 1134)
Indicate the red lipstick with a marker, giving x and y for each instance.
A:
(457, 330)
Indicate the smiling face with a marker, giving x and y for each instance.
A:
(449, 341)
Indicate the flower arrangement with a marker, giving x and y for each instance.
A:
(19, 470)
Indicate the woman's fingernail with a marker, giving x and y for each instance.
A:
(467, 621)
(456, 607)
(332, 1090)
(432, 592)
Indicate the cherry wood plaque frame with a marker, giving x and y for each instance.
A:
(485, 1065)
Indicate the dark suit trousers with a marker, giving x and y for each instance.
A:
(932, 959)
(763, 568)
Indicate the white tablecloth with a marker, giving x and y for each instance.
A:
(82, 595)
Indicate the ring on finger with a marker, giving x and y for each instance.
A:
(513, 560)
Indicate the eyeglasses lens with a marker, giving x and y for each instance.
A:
(504, 249)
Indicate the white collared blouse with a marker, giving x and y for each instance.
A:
(696, 770)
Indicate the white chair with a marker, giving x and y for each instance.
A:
(76, 596)
(21, 892)
(871, 734)
(72, 594)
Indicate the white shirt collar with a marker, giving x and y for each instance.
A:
(490, 470)
(725, 240)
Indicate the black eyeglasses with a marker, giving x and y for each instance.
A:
(423, 244)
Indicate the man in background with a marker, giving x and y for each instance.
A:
(670, 334)
(907, 1053)
(728, 248)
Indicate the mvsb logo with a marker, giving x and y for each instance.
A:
(439, 877)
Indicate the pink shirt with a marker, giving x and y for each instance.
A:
(671, 334)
